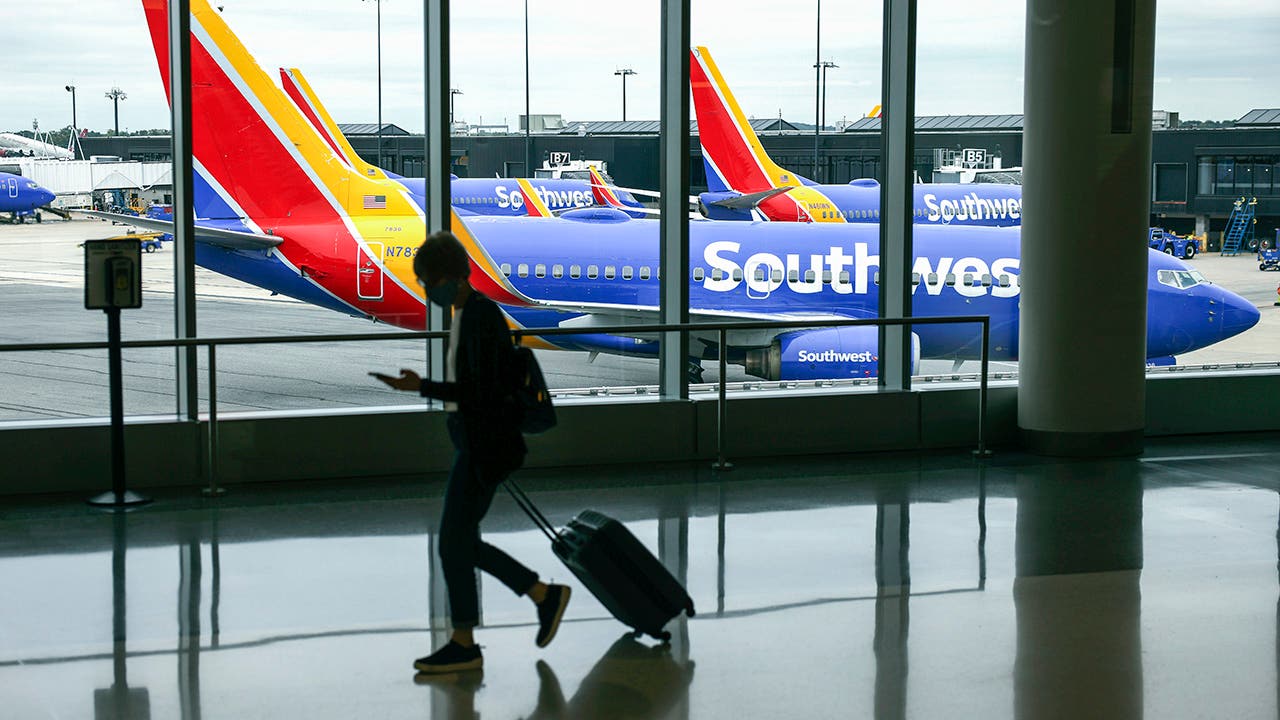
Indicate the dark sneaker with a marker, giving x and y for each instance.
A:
(550, 610)
(451, 658)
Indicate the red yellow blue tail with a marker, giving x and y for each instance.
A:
(300, 92)
(734, 154)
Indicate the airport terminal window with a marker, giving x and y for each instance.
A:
(1246, 175)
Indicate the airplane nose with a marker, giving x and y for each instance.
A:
(1238, 315)
(46, 197)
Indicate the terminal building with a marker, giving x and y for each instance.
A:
(1076, 529)
(1197, 174)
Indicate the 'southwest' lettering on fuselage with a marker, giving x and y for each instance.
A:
(554, 199)
(971, 208)
(851, 274)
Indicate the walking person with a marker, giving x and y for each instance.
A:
(483, 424)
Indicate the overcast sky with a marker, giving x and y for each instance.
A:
(1214, 60)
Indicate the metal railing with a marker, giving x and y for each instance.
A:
(722, 329)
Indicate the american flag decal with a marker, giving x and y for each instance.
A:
(375, 202)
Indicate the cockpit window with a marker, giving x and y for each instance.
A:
(1181, 279)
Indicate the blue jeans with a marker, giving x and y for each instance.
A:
(466, 500)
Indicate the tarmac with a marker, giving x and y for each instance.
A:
(41, 281)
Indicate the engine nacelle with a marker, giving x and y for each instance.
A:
(826, 354)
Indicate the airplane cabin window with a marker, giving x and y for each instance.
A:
(793, 276)
(1004, 281)
(506, 269)
(951, 279)
(644, 272)
(826, 277)
(915, 278)
(540, 270)
(933, 278)
(758, 275)
(986, 280)
(844, 277)
(557, 271)
(699, 274)
(776, 275)
(968, 280)
(737, 274)
(575, 271)
(876, 278)
(810, 277)
(627, 272)
(522, 270)
(593, 271)
(609, 272)
(717, 274)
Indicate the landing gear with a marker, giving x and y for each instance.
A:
(695, 370)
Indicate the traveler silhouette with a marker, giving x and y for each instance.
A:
(483, 421)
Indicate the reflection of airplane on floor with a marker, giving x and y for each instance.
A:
(739, 171)
(281, 213)
(481, 196)
(22, 198)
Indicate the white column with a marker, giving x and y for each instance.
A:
(1086, 189)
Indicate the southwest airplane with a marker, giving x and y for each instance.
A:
(21, 197)
(478, 196)
(745, 184)
(281, 211)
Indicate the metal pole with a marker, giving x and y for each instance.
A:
(982, 452)
(528, 121)
(119, 497)
(379, 153)
(186, 376)
(624, 97)
(213, 490)
(673, 252)
(722, 408)
(817, 94)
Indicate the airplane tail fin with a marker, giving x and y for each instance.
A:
(731, 150)
(305, 98)
(603, 194)
(255, 148)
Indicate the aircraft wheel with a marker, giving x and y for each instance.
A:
(38, 218)
(1189, 251)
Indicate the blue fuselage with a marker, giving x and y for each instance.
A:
(21, 196)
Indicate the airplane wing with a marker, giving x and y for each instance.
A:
(230, 239)
(693, 199)
(593, 315)
(749, 201)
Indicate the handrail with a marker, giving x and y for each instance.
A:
(721, 328)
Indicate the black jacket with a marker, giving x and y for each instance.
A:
(484, 389)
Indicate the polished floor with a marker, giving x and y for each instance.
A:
(870, 586)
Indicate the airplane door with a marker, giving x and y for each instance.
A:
(13, 188)
(369, 276)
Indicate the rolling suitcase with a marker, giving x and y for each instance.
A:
(623, 575)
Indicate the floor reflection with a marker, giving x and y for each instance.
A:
(631, 681)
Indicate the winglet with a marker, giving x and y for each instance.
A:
(602, 193)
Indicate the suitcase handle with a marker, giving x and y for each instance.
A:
(531, 510)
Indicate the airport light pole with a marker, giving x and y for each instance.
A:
(452, 93)
(378, 155)
(825, 65)
(817, 89)
(74, 129)
(116, 95)
(528, 121)
(624, 72)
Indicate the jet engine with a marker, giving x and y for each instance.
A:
(823, 354)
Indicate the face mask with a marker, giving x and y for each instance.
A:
(443, 294)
